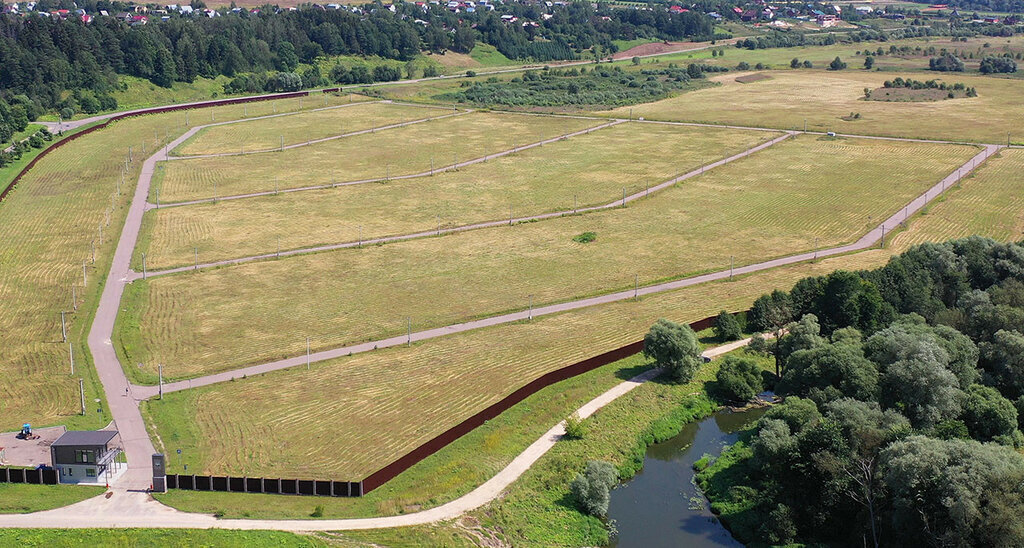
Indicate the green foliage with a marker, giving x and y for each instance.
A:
(689, 409)
(585, 238)
(738, 379)
(987, 414)
(727, 327)
(673, 347)
(559, 87)
(318, 511)
(837, 64)
(592, 488)
(49, 538)
(575, 429)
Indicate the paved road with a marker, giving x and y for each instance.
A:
(867, 240)
(136, 509)
(474, 226)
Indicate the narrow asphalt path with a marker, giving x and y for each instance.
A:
(139, 510)
(869, 239)
(474, 226)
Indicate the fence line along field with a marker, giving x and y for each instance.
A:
(774, 203)
(827, 99)
(346, 418)
(268, 133)
(360, 157)
(48, 227)
(587, 170)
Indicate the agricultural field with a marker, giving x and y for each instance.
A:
(268, 133)
(360, 157)
(827, 99)
(587, 170)
(48, 227)
(430, 387)
(801, 192)
(989, 203)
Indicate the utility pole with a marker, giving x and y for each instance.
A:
(63, 329)
(574, 202)
(84, 281)
(439, 225)
(636, 287)
(81, 391)
(408, 341)
(360, 235)
(143, 266)
(307, 353)
(883, 237)
(160, 372)
(531, 308)
(731, 264)
(71, 357)
(623, 196)
(509, 214)
(74, 298)
(195, 251)
(815, 248)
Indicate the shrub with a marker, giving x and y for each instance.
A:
(470, 73)
(738, 379)
(673, 347)
(837, 64)
(743, 65)
(727, 328)
(585, 238)
(592, 488)
(808, 64)
(318, 512)
(574, 427)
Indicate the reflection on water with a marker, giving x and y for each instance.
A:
(661, 506)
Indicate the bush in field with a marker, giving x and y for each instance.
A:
(574, 427)
(738, 379)
(592, 488)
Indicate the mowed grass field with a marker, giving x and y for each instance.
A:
(268, 133)
(395, 151)
(770, 204)
(48, 227)
(346, 418)
(989, 203)
(590, 169)
(823, 98)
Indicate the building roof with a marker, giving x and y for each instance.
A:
(85, 437)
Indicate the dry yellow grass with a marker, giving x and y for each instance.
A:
(770, 204)
(347, 417)
(823, 98)
(395, 151)
(268, 133)
(47, 229)
(593, 169)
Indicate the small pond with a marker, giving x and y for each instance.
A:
(661, 505)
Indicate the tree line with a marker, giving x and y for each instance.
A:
(904, 403)
(42, 57)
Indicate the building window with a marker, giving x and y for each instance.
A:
(83, 456)
(90, 472)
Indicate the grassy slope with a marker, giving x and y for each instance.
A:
(365, 156)
(776, 202)
(23, 498)
(588, 170)
(826, 97)
(152, 537)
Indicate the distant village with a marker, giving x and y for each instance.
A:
(756, 13)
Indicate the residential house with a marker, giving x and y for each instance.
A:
(87, 456)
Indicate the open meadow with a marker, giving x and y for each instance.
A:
(788, 198)
(475, 457)
(364, 156)
(789, 97)
(48, 227)
(587, 170)
(270, 133)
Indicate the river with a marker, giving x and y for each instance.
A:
(661, 505)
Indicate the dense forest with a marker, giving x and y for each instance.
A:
(904, 400)
(41, 57)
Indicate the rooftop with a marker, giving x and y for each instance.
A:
(85, 437)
